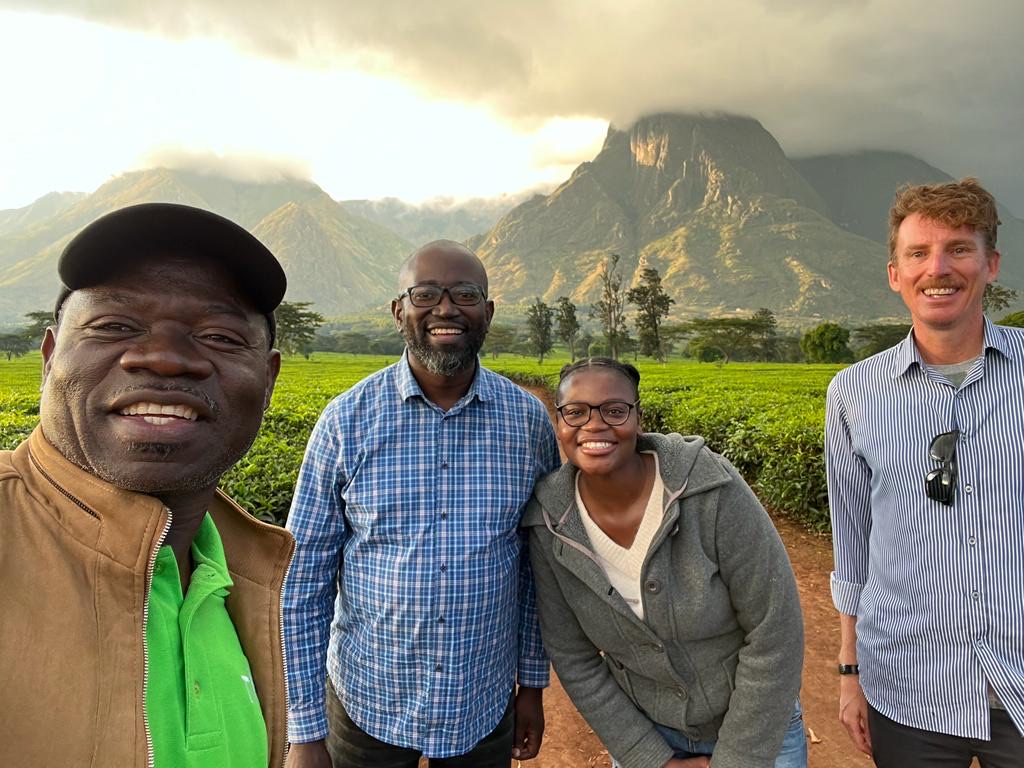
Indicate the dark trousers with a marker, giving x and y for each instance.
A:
(899, 746)
(352, 747)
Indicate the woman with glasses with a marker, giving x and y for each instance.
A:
(666, 599)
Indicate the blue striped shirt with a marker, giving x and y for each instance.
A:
(413, 511)
(938, 591)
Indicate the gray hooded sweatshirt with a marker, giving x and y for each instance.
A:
(719, 652)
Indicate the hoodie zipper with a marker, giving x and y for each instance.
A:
(151, 757)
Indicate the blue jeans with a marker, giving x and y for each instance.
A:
(793, 753)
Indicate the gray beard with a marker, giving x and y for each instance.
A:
(444, 362)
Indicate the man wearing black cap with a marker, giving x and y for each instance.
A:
(140, 606)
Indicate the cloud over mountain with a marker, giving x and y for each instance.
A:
(938, 79)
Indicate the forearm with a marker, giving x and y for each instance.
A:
(847, 639)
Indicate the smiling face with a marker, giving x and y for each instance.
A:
(444, 339)
(596, 448)
(941, 273)
(157, 380)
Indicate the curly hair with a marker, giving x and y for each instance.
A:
(956, 204)
(589, 363)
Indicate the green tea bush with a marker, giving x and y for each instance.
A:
(768, 419)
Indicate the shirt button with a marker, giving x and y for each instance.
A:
(444, 568)
(437, 668)
(969, 489)
(971, 540)
(195, 687)
(658, 648)
(440, 619)
(444, 515)
(681, 693)
(975, 595)
(653, 586)
(444, 465)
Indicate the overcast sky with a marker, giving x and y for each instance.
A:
(476, 97)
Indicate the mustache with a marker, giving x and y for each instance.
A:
(940, 283)
(163, 386)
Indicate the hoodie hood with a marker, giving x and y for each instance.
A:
(684, 461)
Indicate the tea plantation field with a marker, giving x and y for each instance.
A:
(767, 418)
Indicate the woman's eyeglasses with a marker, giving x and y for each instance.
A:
(614, 412)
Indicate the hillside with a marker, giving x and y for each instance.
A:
(859, 188)
(434, 219)
(361, 256)
(714, 204)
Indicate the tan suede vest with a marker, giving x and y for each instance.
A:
(74, 558)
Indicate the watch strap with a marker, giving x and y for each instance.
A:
(849, 669)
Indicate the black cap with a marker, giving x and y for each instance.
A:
(118, 238)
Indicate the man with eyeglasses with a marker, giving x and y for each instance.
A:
(925, 463)
(405, 517)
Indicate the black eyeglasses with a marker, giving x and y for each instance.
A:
(614, 412)
(940, 484)
(428, 295)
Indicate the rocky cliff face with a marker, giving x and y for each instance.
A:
(714, 204)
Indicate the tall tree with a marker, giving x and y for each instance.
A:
(1016, 319)
(826, 343)
(652, 305)
(764, 330)
(14, 344)
(539, 319)
(38, 322)
(296, 326)
(997, 297)
(871, 339)
(716, 338)
(610, 310)
(568, 327)
(500, 338)
(725, 338)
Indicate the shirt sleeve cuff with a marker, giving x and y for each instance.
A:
(307, 725)
(533, 673)
(845, 595)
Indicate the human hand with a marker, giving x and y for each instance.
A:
(312, 754)
(853, 712)
(529, 723)
(690, 762)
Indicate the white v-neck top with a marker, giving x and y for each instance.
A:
(623, 566)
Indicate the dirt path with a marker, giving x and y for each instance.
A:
(569, 742)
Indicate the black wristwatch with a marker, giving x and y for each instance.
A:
(849, 669)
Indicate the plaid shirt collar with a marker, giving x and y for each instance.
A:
(481, 387)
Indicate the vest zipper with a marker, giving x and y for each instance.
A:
(151, 757)
(284, 656)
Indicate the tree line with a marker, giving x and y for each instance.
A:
(707, 339)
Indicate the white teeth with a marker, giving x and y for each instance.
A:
(939, 291)
(157, 413)
(593, 444)
(445, 331)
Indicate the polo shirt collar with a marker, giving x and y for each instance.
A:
(908, 355)
(481, 387)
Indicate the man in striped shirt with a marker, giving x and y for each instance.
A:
(405, 516)
(925, 457)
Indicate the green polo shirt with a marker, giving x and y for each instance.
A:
(200, 699)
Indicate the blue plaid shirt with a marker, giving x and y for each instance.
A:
(406, 520)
